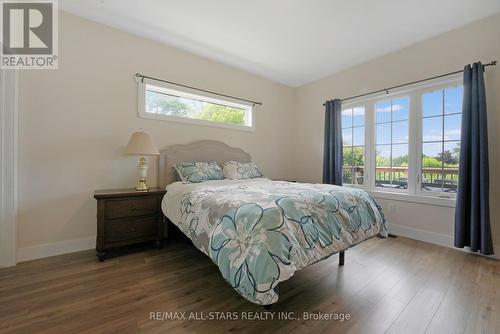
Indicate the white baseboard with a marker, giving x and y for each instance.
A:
(432, 237)
(56, 248)
(422, 235)
(76, 245)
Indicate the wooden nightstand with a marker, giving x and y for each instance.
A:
(126, 216)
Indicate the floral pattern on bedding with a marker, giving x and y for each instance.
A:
(260, 233)
(241, 170)
(198, 171)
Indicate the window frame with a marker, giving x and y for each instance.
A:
(419, 153)
(365, 171)
(195, 95)
(373, 102)
(414, 192)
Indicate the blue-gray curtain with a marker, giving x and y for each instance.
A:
(332, 154)
(472, 212)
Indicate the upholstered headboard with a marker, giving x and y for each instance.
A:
(202, 150)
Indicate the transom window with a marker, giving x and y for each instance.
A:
(160, 101)
(405, 142)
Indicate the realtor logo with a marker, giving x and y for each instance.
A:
(29, 34)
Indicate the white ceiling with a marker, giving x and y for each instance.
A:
(290, 41)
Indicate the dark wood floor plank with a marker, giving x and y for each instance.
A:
(395, 285)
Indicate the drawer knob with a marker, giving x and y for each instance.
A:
(132, 208)
(132, 229)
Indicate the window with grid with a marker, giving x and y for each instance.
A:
(441, 128)
(407, 141)
(353, 137)
(391, 143)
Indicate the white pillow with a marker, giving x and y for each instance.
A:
(241, 170)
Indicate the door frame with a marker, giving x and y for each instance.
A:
(9, 92)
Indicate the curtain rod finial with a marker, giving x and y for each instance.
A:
(139, 77)
(494, 62)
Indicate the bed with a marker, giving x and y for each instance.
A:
(260, 232)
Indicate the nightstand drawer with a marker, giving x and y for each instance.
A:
(126, 217)
(130, 207)
(127, 229)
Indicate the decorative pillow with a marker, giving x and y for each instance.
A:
(241, 170)
(198, 171)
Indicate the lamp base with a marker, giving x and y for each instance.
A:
(142, 186)
(143, 170)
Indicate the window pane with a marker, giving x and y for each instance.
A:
(432, 129)
(347, 158)
(158, 101)
(347, 175)
(392, 136)
(346, 118)
(431, 153)
(400, 166)
(453, 100)
(452, 127)
(359, 136)
(358, 165)
(383, 169)
(347, 137)
(400, 132)
(451, 154)
(383, 133)
(432, 166)
(353, 136)
(359, 116)
(400, 155)
(383, 156)
(440, 159)
(358, 156)
(353, 164)
(383, 111)
(400, 109)
(399, 178)
(432, 103)
(451, 160)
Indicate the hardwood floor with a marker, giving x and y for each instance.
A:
(387, 285)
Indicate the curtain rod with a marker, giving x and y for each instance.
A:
(492, 63)
(142, 77)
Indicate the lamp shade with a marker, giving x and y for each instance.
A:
(141, 143)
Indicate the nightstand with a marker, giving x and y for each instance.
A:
(127, 216)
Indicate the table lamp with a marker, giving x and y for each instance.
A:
(141, 144)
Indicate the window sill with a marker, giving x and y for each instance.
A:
(412, 198)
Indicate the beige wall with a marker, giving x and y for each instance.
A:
(444, 53)
(74, 123)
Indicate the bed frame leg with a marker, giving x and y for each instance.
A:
(341, 258)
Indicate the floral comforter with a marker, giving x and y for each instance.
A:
(259, 232)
